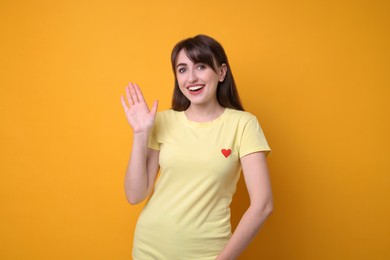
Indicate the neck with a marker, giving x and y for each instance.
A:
(204, 113)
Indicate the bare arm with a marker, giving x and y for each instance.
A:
(256, 176)
(143, 164)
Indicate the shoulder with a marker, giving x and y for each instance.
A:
(166, 117)
(167, 114)
(241, 117)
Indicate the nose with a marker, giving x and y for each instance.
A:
(192, 77)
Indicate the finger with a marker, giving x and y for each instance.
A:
(129, 97)
(124, 103)
(133, 94)
(138, 91)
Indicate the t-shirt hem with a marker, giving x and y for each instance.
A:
(153, 147)
(256, 149)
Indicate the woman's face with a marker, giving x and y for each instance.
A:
(198, 81)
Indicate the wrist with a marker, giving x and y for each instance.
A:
(140, 138)
(141, 133)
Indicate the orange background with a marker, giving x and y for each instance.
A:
(316, 73)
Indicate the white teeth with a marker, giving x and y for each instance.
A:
(195, 88)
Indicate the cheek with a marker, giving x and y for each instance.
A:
(180, 82)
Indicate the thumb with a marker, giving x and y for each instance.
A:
(154, 107)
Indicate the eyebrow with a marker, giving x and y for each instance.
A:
(181, 64)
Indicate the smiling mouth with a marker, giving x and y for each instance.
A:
(195, 88)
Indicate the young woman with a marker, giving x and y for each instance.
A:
(200, 147)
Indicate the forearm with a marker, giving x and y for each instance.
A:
(136, 180)
(246, 230)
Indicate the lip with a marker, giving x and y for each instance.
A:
(196, 92)
(195, 85)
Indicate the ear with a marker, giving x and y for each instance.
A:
(222, 72)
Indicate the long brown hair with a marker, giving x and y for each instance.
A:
(204, 49)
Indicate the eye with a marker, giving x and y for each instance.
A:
(181, 70)
(201, 67)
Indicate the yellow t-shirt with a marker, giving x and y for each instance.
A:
(188, 214)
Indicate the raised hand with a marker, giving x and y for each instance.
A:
(140, 118)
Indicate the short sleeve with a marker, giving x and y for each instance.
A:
(152, 141)
(253, 139)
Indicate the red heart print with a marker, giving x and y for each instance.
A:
(226, 152)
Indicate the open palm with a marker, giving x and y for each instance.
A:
(140, 118)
